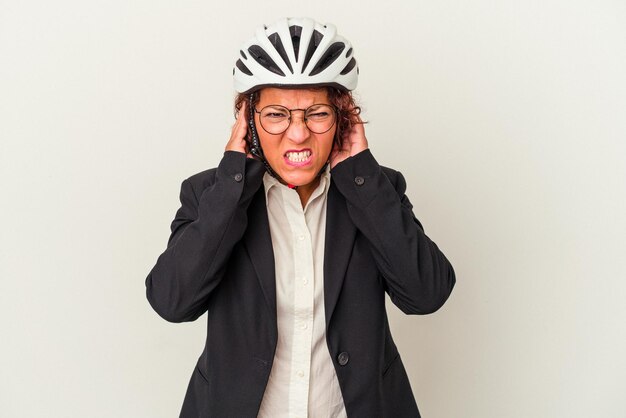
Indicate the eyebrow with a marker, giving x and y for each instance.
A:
(285, 107)
(276, 105)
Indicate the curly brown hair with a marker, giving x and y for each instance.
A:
(347, 110)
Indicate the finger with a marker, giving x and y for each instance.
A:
(241, 126)
(358, 140)
(359, 130)
(346, 140)
(239, 131)
(243, 111)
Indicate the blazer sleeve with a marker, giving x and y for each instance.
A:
(204, 231)
(416, 274)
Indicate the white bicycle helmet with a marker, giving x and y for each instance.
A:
(296, 52)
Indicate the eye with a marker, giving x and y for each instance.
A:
(320, 115)
(319, 112)
(275, 113)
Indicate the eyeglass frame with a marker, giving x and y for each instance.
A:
(304, 119)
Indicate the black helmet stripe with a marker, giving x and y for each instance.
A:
(331, 54)
(242, 67)
(349, 67)
(313, 44)
(264, 60)
(278, 44)
(296, 33)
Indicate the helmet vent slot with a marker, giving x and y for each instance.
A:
(313, 44)
(242, 67)
(296, 33)
(331, 54)
(278, 44)
(264, 60)
(349, 67)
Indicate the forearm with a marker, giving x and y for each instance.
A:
(416, 274)
(203, 235)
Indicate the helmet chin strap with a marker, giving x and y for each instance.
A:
(257, 151)
(255, 146)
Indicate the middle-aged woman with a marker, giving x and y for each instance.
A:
(291, 243)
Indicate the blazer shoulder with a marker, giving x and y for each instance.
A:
(202, 180)
(394, 176)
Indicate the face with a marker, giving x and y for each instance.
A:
(297, 154)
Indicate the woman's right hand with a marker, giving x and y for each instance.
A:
(237, 141)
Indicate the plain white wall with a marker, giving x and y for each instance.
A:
(507, 118)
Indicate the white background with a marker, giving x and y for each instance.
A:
(507, 118)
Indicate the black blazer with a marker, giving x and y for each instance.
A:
(219, 259)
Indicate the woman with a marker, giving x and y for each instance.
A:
(291, 243)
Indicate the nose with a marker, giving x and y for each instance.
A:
(297, 131)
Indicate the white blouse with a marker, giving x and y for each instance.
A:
(302, 382)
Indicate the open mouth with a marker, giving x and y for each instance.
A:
(298, 157)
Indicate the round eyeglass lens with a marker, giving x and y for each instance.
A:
(319, 118)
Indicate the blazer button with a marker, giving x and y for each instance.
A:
(359, 180)
(238, 177)
(343, 358)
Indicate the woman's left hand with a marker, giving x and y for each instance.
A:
(354, 141)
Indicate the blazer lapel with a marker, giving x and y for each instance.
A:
(338, 245)
(258, 242)
(339, 242)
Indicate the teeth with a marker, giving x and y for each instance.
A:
(298, 157)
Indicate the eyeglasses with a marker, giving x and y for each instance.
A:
(319, 118)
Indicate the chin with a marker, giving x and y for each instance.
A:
(298, 176)
(298, 179)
